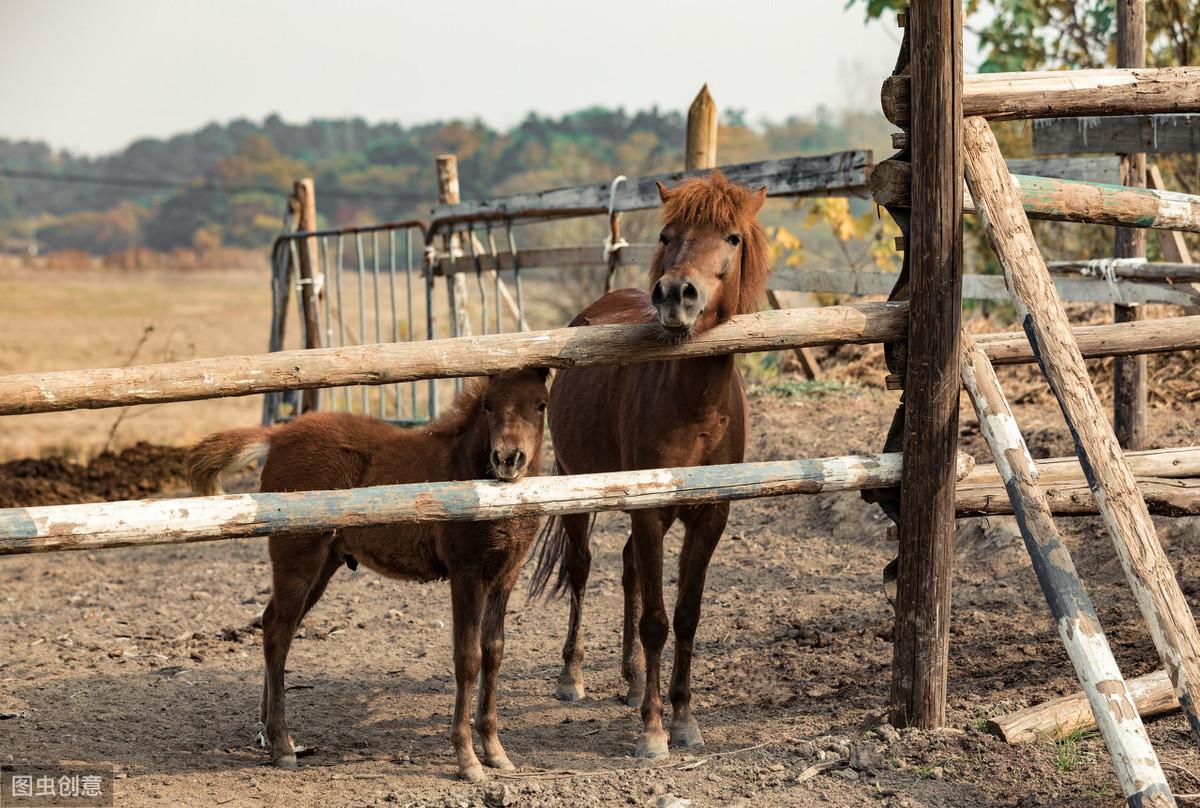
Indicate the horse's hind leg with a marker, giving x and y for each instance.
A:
(466, 594)
(648, 529)
(704, 527)
(299, 568)
(492, 645)
(577, 561)
(633, 662)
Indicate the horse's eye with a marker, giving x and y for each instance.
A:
(542, 407)
(662, 238)
(734, 239)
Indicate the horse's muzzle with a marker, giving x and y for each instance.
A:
(509, 464)
(679, 303)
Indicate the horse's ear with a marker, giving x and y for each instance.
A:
(543, 373)
(663, 191)
(757, 199)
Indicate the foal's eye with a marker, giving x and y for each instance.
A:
(542, 407)
(734, 239)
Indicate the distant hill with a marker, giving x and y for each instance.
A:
(223, 185)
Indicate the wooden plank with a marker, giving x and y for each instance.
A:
(1132, 269)
(1131, 390)
(312, 280)
(1063, 93)
(456, 288)
(1133, 758)
(172, 521)
(444, 358)
(1170, 242)
(1163, 498)
(1157, 463)
(548, 258)
(926, 528)
(1152, 134)
(1064, 200)
(1124, 512)
(1087, 169)
(981, 287)
(841, 173)
(808, 363)
(1094, 341)
(1152, 694)
(700, 148)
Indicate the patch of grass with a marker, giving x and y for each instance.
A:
(1070, 754)
(926, 772)
(818, 389)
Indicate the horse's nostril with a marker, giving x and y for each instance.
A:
(495, 458)
(518, 459)
(657, 295)
(688, 293)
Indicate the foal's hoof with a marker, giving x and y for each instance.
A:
(472, 773)
(686, 736)
(637, 691)
(286, 762)
(568, 690)
(500, 762)
(651, 746)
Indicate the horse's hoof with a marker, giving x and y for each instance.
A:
(686, 736)
(286, 762)
(500, 762)
(472, 773)
(568, 691)
(651, 746)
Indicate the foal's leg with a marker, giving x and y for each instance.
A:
(492, 642)
(466, 594)
(648, 529)
(704, 527)
(633, 662)
(577, 561)
(297, 564)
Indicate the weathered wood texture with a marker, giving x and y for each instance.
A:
(804, 357)
(1063, 93)
(444, 358)
(1064, 200)
(171, 521)
(841, 173)
(1132, 269)
(386, 363)
(1085, 169)
(1124, 512)
(981, 287)
(700, 149)
(1166, 463)
(1163, 498)
(1133, 757)
(1131, 389)
(312, 279)
(1171, 242)
(456, 289)
(547, 258)
(1153, 694)
(926, 527)
(1152, 134)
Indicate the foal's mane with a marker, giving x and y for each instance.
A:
(462, 411)
(713, 201)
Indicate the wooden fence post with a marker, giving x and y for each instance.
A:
(1133, 757)
(1118, 500)
(1130, 389)
(701, 148)
(312, 279)
(926, 529)
(456, 287)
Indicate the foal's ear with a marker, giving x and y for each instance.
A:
(663, 191)
(757, 199)
(543, 373)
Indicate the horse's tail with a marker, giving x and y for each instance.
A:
(221, 452)
(551, 549)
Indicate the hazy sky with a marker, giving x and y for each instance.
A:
(92, 75)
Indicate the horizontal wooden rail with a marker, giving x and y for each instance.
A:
(229, 376)
(444, 358)
(173, 521)
(1153, 134)
(1132, 269)
(546, 258)
(835, 174)
(1064, 200)
(1163, 498)
(1173, 463)
(1063, 93)
(981, 287)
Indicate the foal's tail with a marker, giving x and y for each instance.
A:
(551, 550)
(221, 452)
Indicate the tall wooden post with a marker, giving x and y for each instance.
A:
(448, 194)
(312, 279)
(926, 531)
(1130, 389)
(701, 148)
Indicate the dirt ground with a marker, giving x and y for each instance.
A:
(147, 659)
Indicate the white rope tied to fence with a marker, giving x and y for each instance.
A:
(1106, 268)
(611, 244)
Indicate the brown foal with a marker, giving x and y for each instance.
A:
(711, 265)
(495, 428)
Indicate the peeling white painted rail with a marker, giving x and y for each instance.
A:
(174, 521)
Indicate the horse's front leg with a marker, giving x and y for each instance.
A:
(577, 563)
(466, 593)
(486, 722)
(704, 528)
(633, 662)
(648, 529)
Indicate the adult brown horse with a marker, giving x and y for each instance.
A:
(711, 264)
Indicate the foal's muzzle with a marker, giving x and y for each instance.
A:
(679, 303)
(509, 464)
